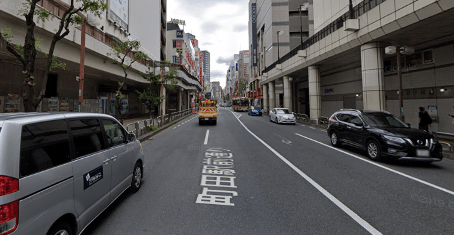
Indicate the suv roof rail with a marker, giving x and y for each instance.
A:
(355, 110)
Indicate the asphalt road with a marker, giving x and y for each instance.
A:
(276, 179)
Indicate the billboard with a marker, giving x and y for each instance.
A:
(254, 33)
(179, 44)
(246, 57)
(119, 12)
(179, 33)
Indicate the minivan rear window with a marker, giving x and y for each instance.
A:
(43, 145)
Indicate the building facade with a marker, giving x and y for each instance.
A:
(350, 61)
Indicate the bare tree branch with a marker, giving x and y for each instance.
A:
(12, 49)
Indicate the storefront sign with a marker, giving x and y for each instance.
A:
(119, 12)
(254, 34)
(179, 33)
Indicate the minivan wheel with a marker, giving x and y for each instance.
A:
(136, 178)
(335, 139)
(373, 150)
(61, 228)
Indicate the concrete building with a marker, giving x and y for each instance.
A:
(275, 28)
(100, 75)
(205, 59)
(344, 64)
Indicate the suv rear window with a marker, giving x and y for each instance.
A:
(43, 145)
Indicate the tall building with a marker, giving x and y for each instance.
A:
(205, 58)
(163, 20)
(275, 29)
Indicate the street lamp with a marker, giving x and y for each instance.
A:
(279, 32)
(302, 8)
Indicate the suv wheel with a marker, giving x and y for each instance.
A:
(136, 178)
(373, 150)
(335, 139)
(61, 228)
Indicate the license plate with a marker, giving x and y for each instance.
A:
(422, 153)
(206, 119)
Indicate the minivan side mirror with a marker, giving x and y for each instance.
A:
(409, 125)
(131, 137)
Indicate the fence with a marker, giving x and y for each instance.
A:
(139, 128)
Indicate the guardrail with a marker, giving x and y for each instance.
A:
(446, 140)
(139, 128)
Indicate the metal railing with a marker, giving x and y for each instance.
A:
(446, 140)
(139, 128)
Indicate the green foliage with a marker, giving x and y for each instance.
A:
(43, 14)
(152, 128)
(55, 63)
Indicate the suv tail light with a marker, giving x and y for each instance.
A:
(8, 185)
(9, 214)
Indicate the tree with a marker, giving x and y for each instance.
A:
(125, 55)
(151, 96)
(27, 53)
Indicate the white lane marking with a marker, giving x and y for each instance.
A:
(302, 125)
(174, 128)
(324, 130)
(383, 167)
(206, 137)
(284, 140)
(338, 203)
(313, 128)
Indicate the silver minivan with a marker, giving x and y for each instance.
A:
(58, 171)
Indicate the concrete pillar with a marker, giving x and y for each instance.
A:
(373, 76)
(179, 99)
(188, 103)
(271, 95)
(287, 93)
(265, 96)
(315, 101)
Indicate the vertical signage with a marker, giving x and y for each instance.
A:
(254, 34)
(179, 33)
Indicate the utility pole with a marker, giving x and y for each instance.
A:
(399, 74)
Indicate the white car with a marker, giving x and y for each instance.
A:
(282, 115)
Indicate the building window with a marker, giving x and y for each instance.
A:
(174, 44)
(428, 57)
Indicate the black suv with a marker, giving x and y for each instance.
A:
(382, 135)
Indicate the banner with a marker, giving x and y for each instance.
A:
(254, 34)
(119, 12)
(179, 44)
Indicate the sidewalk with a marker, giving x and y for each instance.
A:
(148, 135)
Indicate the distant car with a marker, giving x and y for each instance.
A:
(254, 110)
(282, 115)
(382, 135)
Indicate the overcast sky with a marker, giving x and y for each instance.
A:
(219, 25)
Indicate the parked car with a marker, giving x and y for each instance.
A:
(282, 115)
(254, 110)
(382, 135)
(58, 172)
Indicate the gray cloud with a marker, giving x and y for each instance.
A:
(224, 60)
(209, 27)
(217, 73)
(240, 28)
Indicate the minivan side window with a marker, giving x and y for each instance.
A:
(43, 145)
(87, 136)
(115, 134)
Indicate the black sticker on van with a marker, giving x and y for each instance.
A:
(93, 177)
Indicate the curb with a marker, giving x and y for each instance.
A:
(150, 134)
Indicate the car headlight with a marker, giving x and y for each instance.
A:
(394, 139)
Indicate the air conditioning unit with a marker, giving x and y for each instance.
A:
(390, 50)
(93, 20)
(351, 25)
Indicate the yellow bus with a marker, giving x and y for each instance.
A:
(240, 104)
